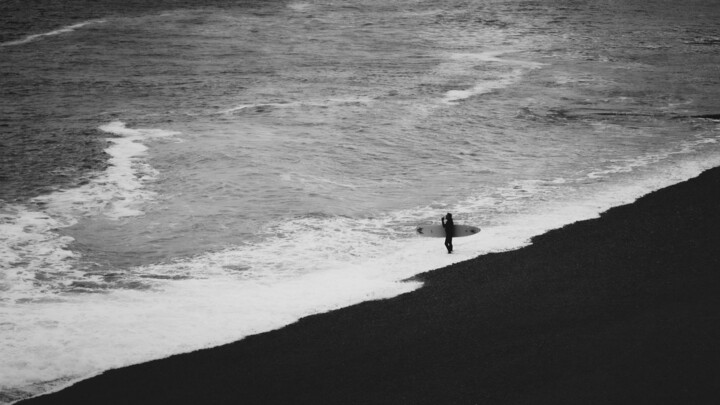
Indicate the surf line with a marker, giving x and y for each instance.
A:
(63, 30)
(453, 96)
(117, 191)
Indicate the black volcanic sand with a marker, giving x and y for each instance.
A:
(624, 309)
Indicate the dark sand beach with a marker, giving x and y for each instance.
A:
(624, 309)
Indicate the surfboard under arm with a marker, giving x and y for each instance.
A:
(437, 231)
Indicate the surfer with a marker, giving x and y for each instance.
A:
(449, 231)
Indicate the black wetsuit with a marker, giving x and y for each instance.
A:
(449, 232)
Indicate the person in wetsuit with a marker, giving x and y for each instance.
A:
(449, 231)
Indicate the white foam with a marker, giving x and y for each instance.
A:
(38, 266)
(119, 190)
(73, 335)
(580, 201)
(34, 255)
(300, 7)
(629, 165)
(63, 30)
(309, 265)
(453, 96)
(490, 84)
(305, 265)
(32, 252)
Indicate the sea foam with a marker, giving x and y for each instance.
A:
(119, 190)
(306, 265)
(35, 252)
(39, 266)
(63, 30)
(488, 85)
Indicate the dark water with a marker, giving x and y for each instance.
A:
(50, 99)
(21, 18)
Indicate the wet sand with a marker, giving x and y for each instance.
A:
(621, 309)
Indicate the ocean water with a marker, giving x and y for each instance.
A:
(178, 175)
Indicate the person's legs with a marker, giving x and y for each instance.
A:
(448, 244)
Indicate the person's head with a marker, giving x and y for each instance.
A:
(448, 216)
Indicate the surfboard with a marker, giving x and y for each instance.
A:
(437, 231)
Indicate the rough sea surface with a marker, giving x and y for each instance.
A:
(177, 175)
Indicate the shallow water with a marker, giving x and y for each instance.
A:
(181, 176)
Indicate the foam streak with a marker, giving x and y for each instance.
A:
(453, 96)
(64, 30)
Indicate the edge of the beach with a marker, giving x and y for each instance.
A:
(619, 309)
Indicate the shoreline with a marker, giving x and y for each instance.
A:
(618, 309)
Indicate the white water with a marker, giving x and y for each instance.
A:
(306, 266)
